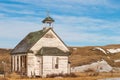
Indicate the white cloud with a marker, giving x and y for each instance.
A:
(85, 29)
(2, 15)
(16, 9)
(71, 3)
(11, 29)
(84, 23)
(77, 7)
(72, 29)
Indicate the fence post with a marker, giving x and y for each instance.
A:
(4, 67)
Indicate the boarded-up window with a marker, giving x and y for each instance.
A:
(55, 62)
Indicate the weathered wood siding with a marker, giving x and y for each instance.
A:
(34, 65)
(48, 41)
(48, 63)
(39, 67)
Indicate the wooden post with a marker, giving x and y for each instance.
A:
(19, 63)
(13, 63)
(4, 68)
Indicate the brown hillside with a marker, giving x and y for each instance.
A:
(79, 56)
(112, 46)
(5, 56)
(86, 55)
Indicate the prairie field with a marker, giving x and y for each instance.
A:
(80, 56)
(81, 76)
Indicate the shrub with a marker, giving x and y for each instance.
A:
(61, 75)
(94, 74)
(72, 75)
(52, 75)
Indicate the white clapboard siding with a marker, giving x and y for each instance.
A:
(48, 65)
(49, 42)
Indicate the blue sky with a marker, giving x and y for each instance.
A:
(77, 22)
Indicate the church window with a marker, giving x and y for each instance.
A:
(55, 62)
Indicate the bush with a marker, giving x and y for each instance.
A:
(61, 75)
(72, 75)
(94, 74)
(52, 75)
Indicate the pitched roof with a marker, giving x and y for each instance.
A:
(29, 41)
(54, 51)
(48, 20)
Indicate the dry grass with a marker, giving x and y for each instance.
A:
(5, 56)
(81, 76)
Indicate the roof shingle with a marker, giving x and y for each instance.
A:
(54, 51)
(29, 41)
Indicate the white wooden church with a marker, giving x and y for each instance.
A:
(41, 53)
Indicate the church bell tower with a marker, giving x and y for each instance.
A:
(48, 21)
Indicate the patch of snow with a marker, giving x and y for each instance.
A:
(100, 66)
(113, 50)
(98, 48)
(116, 50)
(110, 79)
(74, 48)
(117, 60)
